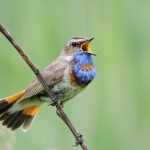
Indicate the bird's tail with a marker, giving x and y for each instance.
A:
(14, 119)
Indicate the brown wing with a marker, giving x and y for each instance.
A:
(52, 75)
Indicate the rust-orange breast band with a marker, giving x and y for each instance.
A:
(87, 67)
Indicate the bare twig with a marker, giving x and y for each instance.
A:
(27, 60)
(64, 117)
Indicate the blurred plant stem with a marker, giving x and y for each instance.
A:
(7, 139)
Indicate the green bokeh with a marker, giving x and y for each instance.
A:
(113, 113)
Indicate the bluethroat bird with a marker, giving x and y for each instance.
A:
(68, 75)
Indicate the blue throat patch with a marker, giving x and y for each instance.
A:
(83, 67)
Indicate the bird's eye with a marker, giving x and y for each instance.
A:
(74, 44)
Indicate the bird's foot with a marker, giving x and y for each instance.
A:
(80, 140)
(54, 101)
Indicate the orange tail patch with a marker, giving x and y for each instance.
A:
(31, 111)
(23, 117)
(13, 98)
(7, 102)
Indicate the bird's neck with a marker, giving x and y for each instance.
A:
(83, 67)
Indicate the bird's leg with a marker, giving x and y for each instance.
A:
(79, 137)
(54, 101)
(58, 113)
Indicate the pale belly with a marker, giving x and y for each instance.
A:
(65, 91)
(66, 88)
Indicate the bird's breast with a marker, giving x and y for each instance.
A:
(83, 75)
(83, 70)
(86, 67)
(65, 90)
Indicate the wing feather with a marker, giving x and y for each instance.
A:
(52, 75)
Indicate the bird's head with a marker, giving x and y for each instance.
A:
(78, 43)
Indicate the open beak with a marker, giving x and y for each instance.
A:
(85, 46)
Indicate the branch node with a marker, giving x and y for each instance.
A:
(80, 139)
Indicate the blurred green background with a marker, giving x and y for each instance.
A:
(113, 113)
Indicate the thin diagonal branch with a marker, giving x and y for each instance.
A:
(64, 117)
(27, 60)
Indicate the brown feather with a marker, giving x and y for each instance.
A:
(52, 75)
(19, 121)
(7, 119)
(4, 116)
(4, 105)
(12, 120)
(27, 123)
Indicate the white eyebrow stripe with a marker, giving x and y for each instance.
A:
(72, 40)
